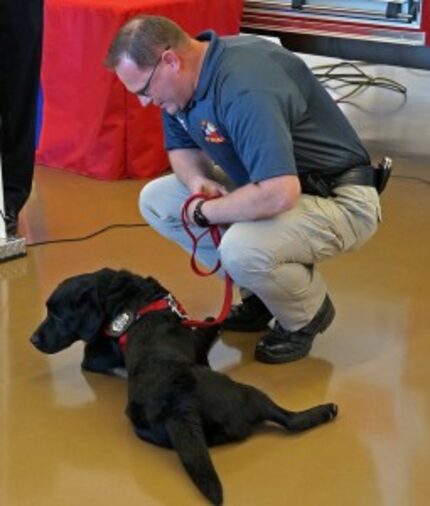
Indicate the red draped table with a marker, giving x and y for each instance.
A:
(91, 124)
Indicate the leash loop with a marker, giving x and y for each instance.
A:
(215, 234)
(213, 230)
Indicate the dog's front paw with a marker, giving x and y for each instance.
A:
(101, 367)
(121, 372)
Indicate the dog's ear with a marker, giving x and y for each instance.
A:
(91, 312)
(106, 272)
(123, 288)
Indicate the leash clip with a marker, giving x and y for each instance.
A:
(175, 307)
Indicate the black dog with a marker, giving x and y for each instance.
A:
(174, 399)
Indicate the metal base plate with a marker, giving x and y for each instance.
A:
(12, 247)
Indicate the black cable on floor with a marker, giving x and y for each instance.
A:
(89, 236)
(135, 225)
(415, 178)
(329, 74)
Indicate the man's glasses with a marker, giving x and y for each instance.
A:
(143, 92)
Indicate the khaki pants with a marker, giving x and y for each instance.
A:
(275, 258)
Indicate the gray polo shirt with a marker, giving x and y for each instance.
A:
(259, 112)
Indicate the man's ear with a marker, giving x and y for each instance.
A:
(172, 59)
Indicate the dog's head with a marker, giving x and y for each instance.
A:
(80, 306)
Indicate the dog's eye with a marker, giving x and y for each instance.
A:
(52, 310)
(55, 317)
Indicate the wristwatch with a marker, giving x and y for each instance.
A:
(198, 216)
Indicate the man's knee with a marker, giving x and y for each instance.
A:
(158, 200)
(148, 200)
(242, 256)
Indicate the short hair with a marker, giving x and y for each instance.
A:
(142, 38)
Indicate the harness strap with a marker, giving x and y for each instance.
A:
(118, 328)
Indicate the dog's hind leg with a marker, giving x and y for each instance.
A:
(296, 421)
(260, 407)
(187, 438)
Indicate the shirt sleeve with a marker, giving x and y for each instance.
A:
(175, 134)
(259, 124)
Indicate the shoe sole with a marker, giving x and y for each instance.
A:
(265, 356)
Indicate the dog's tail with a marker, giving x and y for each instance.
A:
(187, 438)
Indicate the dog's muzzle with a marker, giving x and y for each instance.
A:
(38, 342)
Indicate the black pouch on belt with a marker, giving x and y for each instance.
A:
(383, 173)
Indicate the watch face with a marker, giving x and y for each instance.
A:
(198, 215)
(121, 323)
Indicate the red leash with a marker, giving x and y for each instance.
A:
(213, 230)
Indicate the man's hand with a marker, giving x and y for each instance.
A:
(194, 169)
(254, 201)
(207, 186)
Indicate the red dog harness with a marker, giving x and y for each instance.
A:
(121, 323)
(119, 326)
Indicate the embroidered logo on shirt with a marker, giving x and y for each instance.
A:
(211, 133)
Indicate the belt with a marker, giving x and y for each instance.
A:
(315, 183)
(363, 176)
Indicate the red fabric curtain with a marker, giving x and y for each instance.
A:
(91, 124)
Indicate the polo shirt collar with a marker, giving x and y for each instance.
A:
(209, 65)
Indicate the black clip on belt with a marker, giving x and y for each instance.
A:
(383, 173)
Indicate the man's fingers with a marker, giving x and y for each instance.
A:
(214, 189)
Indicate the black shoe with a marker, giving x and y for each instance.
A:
(281, 345)
(11, 223)
(250, 315)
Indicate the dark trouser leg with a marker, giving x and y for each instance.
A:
(21, 26)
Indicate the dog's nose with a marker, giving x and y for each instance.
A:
(35, 339)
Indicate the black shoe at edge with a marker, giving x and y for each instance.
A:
(280, 345)
(251, 315)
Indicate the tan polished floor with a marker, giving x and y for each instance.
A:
(64, 439)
